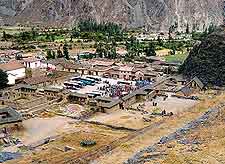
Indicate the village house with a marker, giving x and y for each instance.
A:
(179, 80)
(39, 81)
(77, 98)
(14, 70)
(196, 84)
(32, 63)
(109, 106)
(131, 72)
(51, 64)
(52, 92)
(97, 68)
(10, 119)
(184, 91)
(100, 63)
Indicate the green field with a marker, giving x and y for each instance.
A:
(13, 30)
(176, 58)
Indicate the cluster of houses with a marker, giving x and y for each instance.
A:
(59, 70)
(162, 36)
(109, 69)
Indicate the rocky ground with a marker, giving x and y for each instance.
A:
(200, 141)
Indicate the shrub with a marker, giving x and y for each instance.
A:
(87, 143)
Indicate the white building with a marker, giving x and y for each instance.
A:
(32, 63)
(14, 70)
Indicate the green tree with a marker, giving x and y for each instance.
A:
(113, 53)
(34, 34)
(53, 55)
(160, 41)
(133, 46)
(211, 28)
(52, 37)
(3, 79)
(59, 54)
(49, 54)
(4, 36)
(187, 29)
(66, 52)
(48, 37)
(150, 50)
(173, 50)
(100, 49)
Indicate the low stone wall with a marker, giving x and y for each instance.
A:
(110, 126)
(34, 102)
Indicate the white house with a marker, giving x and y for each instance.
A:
(32, 63)
(14, 70)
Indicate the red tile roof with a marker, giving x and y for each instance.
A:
(10, 66)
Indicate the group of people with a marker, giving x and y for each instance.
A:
(142, 83)
(116, 90)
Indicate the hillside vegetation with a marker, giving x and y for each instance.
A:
(207, 60)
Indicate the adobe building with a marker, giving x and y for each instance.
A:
(10, 119)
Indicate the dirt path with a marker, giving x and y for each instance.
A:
(129, 148)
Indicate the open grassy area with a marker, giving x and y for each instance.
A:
(176, 58)
(13, 30)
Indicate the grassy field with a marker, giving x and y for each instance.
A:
(176, 58)
(13, 30)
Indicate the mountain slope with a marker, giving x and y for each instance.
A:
(206, 60)
(151, 14)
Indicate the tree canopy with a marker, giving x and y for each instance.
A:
(93, 26)
(150, 50)
(3, 79)
(66, 52)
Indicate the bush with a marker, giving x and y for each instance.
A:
(87, 143)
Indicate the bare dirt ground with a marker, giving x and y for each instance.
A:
(128, 119)
(126, 150)
(134, 119)
(73, 132)
(171, 104)
(36, 129)
(53, 152)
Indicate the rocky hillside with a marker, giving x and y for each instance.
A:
(206, 60)
(152, 14)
